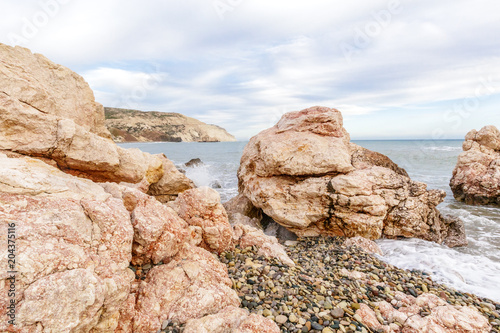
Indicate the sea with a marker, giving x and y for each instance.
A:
(473, 269)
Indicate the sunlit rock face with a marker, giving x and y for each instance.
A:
(307, 176)
(476, 177)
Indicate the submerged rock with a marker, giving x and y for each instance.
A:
(307, 176)
(476, 177)
(194, 162)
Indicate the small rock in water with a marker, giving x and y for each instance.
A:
(194, 163)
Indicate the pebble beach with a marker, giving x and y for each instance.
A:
(328, 284)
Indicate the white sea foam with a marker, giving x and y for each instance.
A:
(443, 148)
(465, 272)
(214, 176)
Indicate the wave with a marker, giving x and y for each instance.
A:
(444, 148)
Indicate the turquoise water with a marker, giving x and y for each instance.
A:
(475, 268)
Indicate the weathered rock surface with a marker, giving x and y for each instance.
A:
(366, 245)
(241, 205)
(307, 176)
(442, 317)
(49, 88)
(230, 320)
(191, 285)
(172, 183)
(476, 177)
(246, 235)
(201, 207)
(73, 245)
(75, 238)
(49, 112)
(133, 125)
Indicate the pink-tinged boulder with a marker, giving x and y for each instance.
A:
(225, 321)
(230, 320)
(192, 285)
(159, 232)
(73, 243)
(201, 207)
(476, 177)
(364, 244)
(307, 176)
(268, 246)
(443, 317)
(257, 324)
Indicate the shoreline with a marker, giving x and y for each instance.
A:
(329, 283)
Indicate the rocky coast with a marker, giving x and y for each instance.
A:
(335, 287)
(108, 239)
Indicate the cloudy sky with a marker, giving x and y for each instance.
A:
(395, 68)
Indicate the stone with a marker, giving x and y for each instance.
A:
(366, 245)
(73, 244)
(171, 184)
(368, 317)
(159, 233)
(50, 113)
(50, 88)
(240, 206)
(194, 162)
(257, 324)
(201, 207)
(225, 320)
(281, 319)
(476, 177)
(192, 285)
(307, 176)
(443, 317)
(337, 313)
(268, 245)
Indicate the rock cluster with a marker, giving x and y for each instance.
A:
(306, 175)
(84, 210)
(476, 177)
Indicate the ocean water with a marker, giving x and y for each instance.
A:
(474, 268)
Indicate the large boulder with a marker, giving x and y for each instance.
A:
(192, 285)
(50, 88)
(476, 177)
(73, 246)
(307, 176)
(49, 112)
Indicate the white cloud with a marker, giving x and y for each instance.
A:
(264, 58)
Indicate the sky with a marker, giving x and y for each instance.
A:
(396, 69)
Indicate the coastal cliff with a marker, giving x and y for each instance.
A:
(133, 125)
